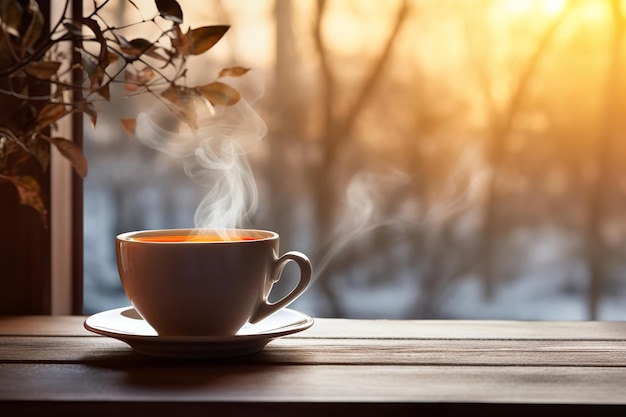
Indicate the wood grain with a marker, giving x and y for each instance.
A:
(321, 383)
(337, 366)
(309, 351)
(371, 329)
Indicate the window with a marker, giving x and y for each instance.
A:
(434, 159)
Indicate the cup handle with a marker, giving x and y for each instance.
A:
(306, 272)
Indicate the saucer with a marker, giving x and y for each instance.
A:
(126, 324)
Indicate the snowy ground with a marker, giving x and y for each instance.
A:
(543, 289)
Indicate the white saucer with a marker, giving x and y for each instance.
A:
(126, 324)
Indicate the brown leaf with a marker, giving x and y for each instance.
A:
(40, 148)
(49, 114)
(105, 92)
(135, 47)
(35, 26)
(11, 16)
(174, 93)
(97, 31)
(73, 154)
(181, 98)
(170, 10)
(29, 192)
(96, 68)
(96, 77)
(233, 72)
(73, 28)
(180, 42)
(219, 94)
(42, 69)
(135, 80)
(91, 112)
(111, 58)
(131, 81)
(203, 38)
(139, 46)
(129, 126)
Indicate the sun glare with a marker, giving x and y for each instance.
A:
(553, 7)
(522, 7)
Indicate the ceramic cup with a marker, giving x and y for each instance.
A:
(189, 282)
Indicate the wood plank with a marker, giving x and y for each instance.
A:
(43, 325)
(293, 350)
(468, 329)
(375, 329)
(447, 352)
(184, 382)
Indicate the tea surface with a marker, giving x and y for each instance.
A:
(193, 238)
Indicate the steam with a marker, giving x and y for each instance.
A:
(364, 211)
(376, 200)
(214, 157)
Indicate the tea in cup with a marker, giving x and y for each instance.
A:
(201, 282)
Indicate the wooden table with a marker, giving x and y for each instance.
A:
(52, 365)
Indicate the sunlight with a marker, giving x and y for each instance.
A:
(457, 94)
(524, 7)
(553, 7)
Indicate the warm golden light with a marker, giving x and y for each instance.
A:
(504, 117)
(553, 7)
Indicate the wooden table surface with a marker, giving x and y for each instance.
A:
(370, 367)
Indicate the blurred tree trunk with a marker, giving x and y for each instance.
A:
(335, 136)
(501, 128)
(288, 110)
(599, 193)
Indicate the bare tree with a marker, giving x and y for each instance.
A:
(599, 193)
(501, 127)
(335, 133)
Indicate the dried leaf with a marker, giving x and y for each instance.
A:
(129, 126)
(139, 46)
(219, 94)
(97, 31)
(93, 116)
(170, 10)
(180, 42)
(43, 69)
(96, 76)
(41, 150)
(11, 16)
(35, 27)
(74, 29)
(29, 192)
(203, 38)
(73, 154)
(89, 109)
(49, 114)
(105, 92)
(135, 47)
(182, 99)
(97, 70)
(173, 93)
(131, 81)
(233, 72)
(135, 80)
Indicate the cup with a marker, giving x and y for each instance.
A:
(190, 282)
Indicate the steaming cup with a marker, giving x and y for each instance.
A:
(189, 282)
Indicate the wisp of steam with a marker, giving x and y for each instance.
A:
(214, 157)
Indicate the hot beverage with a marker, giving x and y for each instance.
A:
(204, 283)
